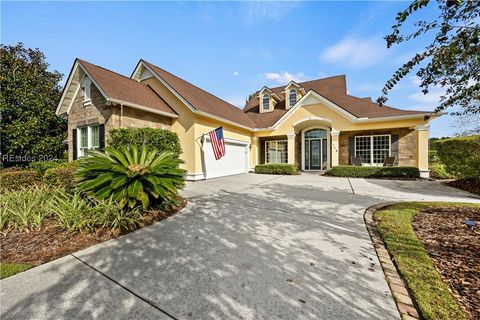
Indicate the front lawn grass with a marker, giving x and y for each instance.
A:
(9, 269)
(430, 294)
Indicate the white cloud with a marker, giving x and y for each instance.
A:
(285, 77)
(356, 52)
(258, 11)
(235, 73)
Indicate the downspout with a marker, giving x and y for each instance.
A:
(121, 115)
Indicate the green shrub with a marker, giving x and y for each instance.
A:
(25, 208)
(153, 139)
(281, 168)
(131, 177)
(42, 166)
(461, 156)
(374, 172)
(17, 179)
(76, 213)
(61, 176)
(28, 208)
(438, 171)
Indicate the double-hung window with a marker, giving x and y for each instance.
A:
(373, 149)
(292, 97)
(88, 138)
(266, 102)
(276, 151)
(86, 86)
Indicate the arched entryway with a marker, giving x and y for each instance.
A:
(315, 148)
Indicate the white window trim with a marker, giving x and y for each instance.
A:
(265, 95)
(87, 85)
(371, 163)
(266, 151)
(89, 139)
(289, 99)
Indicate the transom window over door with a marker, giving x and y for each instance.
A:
(292, 97)
(373, 149)
(276, 151)
(266, 102)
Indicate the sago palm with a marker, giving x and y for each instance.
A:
(130, 176)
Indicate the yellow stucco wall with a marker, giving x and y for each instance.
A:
(190, 127)
(338, 121)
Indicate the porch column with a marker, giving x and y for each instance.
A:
(254, 153)
(291, 148)
(335, 147)
(422, 134)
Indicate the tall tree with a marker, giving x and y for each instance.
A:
(451, 60)
(29, 94)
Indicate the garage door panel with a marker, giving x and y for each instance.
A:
(234, 161)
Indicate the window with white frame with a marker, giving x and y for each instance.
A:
(86, 86)
(266, 102)
(88, 138)
(373, 149)
(292, 97)
(276, 151)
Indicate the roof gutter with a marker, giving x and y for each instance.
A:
(140, 107)
(208, 115)
(404, 117)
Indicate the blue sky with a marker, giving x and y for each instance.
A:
(229, 49)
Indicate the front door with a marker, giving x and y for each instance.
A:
(315, 154)
(316, 149)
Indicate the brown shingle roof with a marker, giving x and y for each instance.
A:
(333, 89)
(125, 89)
(203, 100)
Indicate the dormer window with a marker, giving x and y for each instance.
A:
(266, 102)
(86, 84)
(292, 97)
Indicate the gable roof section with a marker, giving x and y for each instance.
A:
(333, 89)
(118, 89)
(202, 100)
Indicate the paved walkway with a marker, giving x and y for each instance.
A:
(246, 247)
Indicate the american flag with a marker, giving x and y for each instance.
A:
(218, 143)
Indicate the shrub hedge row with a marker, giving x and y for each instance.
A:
(16, 179)
(42, 166)
(461, 156)
(287, 169)
(159, 139)
(374, 172)
(61, 176)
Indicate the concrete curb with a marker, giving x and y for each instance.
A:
(400, 293)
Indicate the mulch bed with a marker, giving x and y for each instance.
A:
(455, 251)
(468, 184)
(51, 242)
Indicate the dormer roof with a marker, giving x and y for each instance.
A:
(294, 84)
(269, 91)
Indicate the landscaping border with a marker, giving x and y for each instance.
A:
(399, 290)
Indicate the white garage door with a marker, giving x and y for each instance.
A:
(235, 160)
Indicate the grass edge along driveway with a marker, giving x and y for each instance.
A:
(9, 269)
(430, 293)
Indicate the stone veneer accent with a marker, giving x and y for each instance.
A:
(406, 144)
(100, 112)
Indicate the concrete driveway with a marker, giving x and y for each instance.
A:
(246, 247)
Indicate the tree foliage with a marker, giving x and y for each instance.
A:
(452, 59)
(29, 94)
